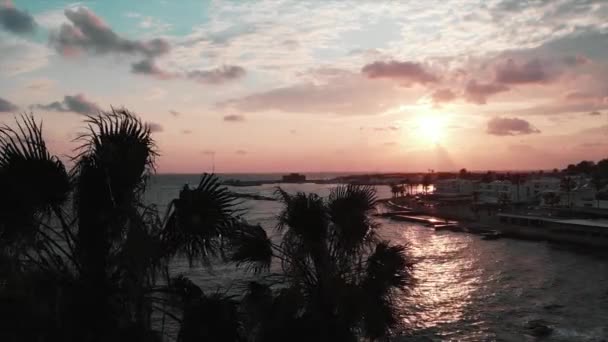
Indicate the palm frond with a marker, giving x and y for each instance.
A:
(379, 316)
(210, 318)
(349, 208)
(388, 268)
(200, 218)
(32, 180)
(304, 215)
(120, 145)
(252, 247)
(184, 288)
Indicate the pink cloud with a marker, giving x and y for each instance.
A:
(407, 73)
(443, 95)
(479, 92)
(534, 71)
(510, 126)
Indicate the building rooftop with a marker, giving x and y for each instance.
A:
(598, 223)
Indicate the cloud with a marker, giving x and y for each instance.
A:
(521, 148)
(174, 113)
(479, 92)
(510, 126)
(534, 71)
(149, 67)
(154, 127)
(6, 106)
(88, 32)
(77, 104)
(443, 95)
(186, 131)
(241, 152)
(407, 73)
(208, 152)
(234, 118)
(16, 21)
(18, 55)
(41, 84)
(387, 128)
(595, 113)
(347, 94)
(219, 75)
(593, 145)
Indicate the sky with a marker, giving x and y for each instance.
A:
(312, 86)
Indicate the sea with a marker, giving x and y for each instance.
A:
(466, 288)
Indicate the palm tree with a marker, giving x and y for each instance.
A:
(598, 184)
(568, 184)
(89, 238)
(407, 186)
(394, 190)
(338, 278)
(82, 257)
(426, 182)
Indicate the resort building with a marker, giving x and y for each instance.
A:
(294, 178)
(455, 187)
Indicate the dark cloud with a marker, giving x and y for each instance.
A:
(154, 127)
(234, 118)
(186, 131)
(479, 92)
(577, 60)
(293, 131)
(16, 21)
(6, 106)
(390, 143)
(443, 95)
(407, 73)
(77, 104)
(208, 152)
(241, 152)
(149, 67)
(174, 113)
(534, 71)
(510, 126)
(595, 113)
(87, 32)
(220, 75)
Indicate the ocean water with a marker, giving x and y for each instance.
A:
(467, 289)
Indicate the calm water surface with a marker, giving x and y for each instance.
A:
(467, 289)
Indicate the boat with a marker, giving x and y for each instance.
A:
(491, 235)
(453, 227)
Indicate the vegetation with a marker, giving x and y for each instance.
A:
(83, 258)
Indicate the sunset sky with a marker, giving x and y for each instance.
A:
(276, 86)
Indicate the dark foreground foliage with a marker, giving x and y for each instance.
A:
(83, 258)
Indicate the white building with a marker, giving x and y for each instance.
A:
(494, 191)
(525, 192)
(533, 189)
(454, 187)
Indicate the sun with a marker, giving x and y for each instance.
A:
(431, 128)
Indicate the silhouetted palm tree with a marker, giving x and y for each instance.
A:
(88, 236)
(83, 258)
(426, 183)
(338, 278)
(568, 184)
